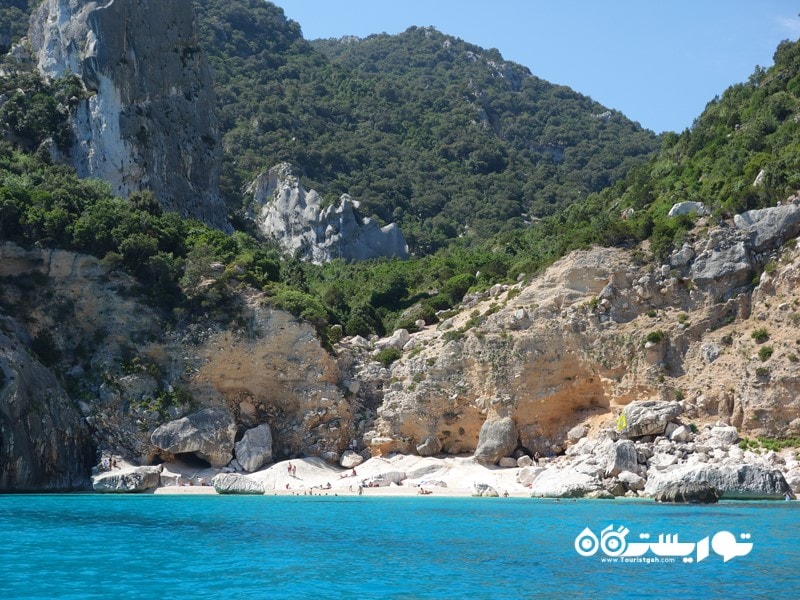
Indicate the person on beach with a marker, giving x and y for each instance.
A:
(536, 457)
(294, 470)
(289, 468)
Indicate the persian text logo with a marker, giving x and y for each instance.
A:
(613, 544)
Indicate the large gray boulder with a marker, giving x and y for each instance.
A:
(687, 208)
(350, 459)
(647, 417)
(527, 475)
(285, 212)
(209, 434)
(131, 480)
(484, 490)
(691, 492)
(235, 483)
(149, 119)
(728, 266)
(740, 482)
(564, 483)
(254, 450)
(430, 446)
(631, 481)
(769, 227)
(616, 457)
(497, 438)
(720, 436)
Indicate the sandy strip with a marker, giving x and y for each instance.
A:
(449, 477)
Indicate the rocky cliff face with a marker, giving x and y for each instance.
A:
(44, 440)
(597, 331)
(124, 371)
(148, 122)
(530, 367)
(283, 210)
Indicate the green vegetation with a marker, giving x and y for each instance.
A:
(654, 337)
(767, 443)
(14, 21)
(760, 335)
(765, 352)
(387, 356)
(420, 128)
(166, 398)
(443, 137)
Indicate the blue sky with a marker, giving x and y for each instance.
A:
(659, 62)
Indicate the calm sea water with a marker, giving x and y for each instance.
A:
(154, 546)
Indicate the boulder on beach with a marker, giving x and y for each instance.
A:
(616, 457)
(209, 434)
(430, 446)
(497, 438)
(254, 450)
(739, 482)
(350, 459)
(131, 480)
(235, 483)
(564, 483)
(484, 490)
(691, 492)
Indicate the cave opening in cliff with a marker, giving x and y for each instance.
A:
(190, 459)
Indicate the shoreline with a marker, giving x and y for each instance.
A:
(585, 472)
(376, 492)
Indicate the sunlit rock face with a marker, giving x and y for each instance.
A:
(286, 212)
(148, 121)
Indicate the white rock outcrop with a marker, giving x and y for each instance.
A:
(134, 479)
(350, 459)
(564, 483)
(688, 208)
(285, 211)
(254, 450)
(234, 483)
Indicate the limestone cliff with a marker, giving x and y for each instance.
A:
(128, 373)
(148, 122)
(519, 367)
(598, 330)
(284, 211)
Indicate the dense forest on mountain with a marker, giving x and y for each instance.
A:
(741, 153)
(14, 21)
(443, 137)
(749, 130)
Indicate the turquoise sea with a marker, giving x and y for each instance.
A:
(157, 546)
